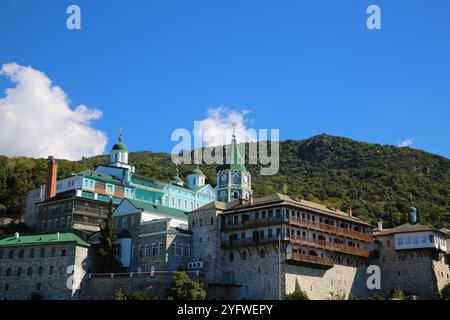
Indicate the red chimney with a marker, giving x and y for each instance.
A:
(50, 184)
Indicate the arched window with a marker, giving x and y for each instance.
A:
(185, 204)
(231, 256)
(21, 253)
(40, 271)
(11, 254)
(51, 270)
(42, 253)
(8, 272)
(30, 271)
(19, 271)
(53, 252)
(32, 253)
(173, 202)
(212, 221)
(38, 286)
(63, 252)
(179, 203)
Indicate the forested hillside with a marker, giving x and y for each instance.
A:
(377, 181)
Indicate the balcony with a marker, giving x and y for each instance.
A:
(325, 245)
(299, 258)
(323, 227)
(98, 212)
(227, 244)
(252, 223)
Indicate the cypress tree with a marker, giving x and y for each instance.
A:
(109, 249)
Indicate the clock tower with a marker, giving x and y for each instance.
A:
(233, 180)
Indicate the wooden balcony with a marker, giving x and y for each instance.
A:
(236, 243)
(252, 223)
(323, 227)
(331, 246)
(309, 260)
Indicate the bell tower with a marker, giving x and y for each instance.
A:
(233, 180)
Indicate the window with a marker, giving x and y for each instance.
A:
(180, 250)
(53, 252)
(38, 286)
(63, 252)
(160, 248)
(408, 240)
(231, 256)
(141, 251)
(40, 271)
(30, 271)
(6, 286)
(416, 240)
(21, 253)
(400, 241)
(244, 255)
(388, 243)
(51, 270)
(424, 239)
(1, 254)
(133, 252)
(187, 250)
(173, 202)
(173, 248)
(8, 272)
(42, 253)
(19, 271)
(431, 239)
(185, 204)
(147, 250)
(153, 249)
(179, 203)
(212, 221)
(263, 254)
(11, 254)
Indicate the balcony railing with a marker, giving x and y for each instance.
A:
(252, 223)
(322, 244)
(331, 229)
(250, 242)
(98, 212)
(299, 257)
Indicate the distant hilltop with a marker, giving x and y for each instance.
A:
(376, 181)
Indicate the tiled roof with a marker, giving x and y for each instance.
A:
(43, 239)
(404, 228)
(159, 209)
(278, 198)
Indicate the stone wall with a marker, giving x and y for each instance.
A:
(421, 272)
(52, 283)
(103, 288)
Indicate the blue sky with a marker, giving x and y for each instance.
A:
(305, 67)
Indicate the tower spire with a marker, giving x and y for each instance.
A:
(120, 134)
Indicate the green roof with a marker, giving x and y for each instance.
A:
(177, 180)
(42, 239)
(103, 177)
(120, 146)
(198, 171)
(163, 210)
(234, 164)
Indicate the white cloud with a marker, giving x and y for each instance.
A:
(37, 121)
(217, 128)
(406, 143)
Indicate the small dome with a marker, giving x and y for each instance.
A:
(177, 180)
(198, 172)
(120, 146)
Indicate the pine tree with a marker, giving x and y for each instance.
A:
(109, 249)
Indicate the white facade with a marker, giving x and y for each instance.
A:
(420, 240)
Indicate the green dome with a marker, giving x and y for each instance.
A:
(177, 180)
(198, 171)
(120, 146)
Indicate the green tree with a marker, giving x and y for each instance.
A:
(297, 295)
(140, 295)
(445, 292)
(119, 294)
(109, 249)
(185, 288)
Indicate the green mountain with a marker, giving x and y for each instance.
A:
(376, 181)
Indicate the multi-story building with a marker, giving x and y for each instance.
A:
(266, 248)
(80, 202)
(53, 266)
(413, 258)
(152, 237)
